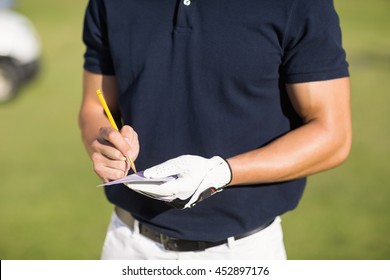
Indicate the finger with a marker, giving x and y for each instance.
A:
(163, 198)
(108, 169)
(114, 137)
(109, 174)
(131, 138)
(165, 169)
(165, 190)
(101, 160)
(128, 132)
(107, 149)
(112, 175)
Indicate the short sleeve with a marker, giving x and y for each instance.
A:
(97, 56)
(313, 43)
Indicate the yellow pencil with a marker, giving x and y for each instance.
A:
(113, 124)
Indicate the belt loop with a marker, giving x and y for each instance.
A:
(136, 226)
(231, 242)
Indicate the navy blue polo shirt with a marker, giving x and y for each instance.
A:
(207, 77)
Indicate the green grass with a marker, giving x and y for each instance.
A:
(345, 212)
(50, 208)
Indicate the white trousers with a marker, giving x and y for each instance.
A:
(126, 243)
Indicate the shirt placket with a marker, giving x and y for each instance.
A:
(184, 22)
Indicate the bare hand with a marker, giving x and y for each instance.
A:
(110, 150)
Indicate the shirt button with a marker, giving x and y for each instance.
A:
(187, 2)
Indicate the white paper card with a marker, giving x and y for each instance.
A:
(139, 179)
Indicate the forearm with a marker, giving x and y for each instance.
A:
(91, 114)
(307, 150)
(90, 121)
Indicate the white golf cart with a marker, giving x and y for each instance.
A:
(20, 52)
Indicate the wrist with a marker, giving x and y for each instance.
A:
(221, 172)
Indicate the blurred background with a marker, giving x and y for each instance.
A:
(50, 207)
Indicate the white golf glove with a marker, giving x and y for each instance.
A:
(195, 178)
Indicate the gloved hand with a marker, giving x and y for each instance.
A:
(196, 178)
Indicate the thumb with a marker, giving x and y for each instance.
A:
(131, 139)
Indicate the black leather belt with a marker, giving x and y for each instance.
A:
(179, 245)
